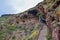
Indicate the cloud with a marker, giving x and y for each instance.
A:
(22, 5)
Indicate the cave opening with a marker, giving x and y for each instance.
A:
(33, 12)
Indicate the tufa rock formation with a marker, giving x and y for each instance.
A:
(27, 25)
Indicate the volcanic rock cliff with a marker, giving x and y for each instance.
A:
(27, 25)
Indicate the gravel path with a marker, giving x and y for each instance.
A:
(42, 35)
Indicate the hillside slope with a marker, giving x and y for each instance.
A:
(27, 25)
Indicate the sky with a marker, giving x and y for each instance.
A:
(16, 6)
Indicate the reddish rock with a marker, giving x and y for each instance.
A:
(56, 33)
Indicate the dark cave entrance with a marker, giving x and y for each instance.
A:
(33, 12)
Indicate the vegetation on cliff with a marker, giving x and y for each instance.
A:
(27, 25)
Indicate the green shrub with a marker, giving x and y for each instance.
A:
(11, 27)
(48, 36)
(40, 14)
(13, 38)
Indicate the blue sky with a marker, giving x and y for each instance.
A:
(16, 6)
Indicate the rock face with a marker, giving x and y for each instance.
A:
(27, 25)
(56, 33)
